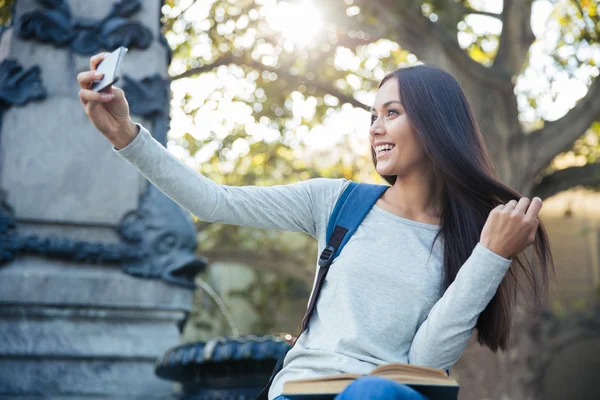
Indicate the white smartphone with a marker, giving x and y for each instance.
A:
(111, 68)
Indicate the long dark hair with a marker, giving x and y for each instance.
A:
(443, 122)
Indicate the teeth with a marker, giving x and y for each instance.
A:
(378, 149)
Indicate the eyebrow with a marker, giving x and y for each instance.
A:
(386, 104)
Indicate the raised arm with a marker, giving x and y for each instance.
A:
(443, 336)
(299, 207)
(288, 207)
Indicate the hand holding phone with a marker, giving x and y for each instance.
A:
(111, 68)
(105, 104)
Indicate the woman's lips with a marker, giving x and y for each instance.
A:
(383, 154)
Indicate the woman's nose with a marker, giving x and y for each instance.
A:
(376, 128)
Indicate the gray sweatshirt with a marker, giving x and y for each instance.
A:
(382, 300)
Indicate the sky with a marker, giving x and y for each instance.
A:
(291, 19)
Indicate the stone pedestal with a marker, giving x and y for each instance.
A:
(96, 265)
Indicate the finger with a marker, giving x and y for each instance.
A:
(89, 95)
(509, 206)
(522, 205)
(499, 207)
(534, 207)
(86, 78)
(96, 59)
(83, 101)
(118, 92)
(111, 89)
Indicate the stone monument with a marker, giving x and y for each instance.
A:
(96, 265)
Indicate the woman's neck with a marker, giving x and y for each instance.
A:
(417, 199)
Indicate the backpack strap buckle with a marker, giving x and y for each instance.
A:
(340, 223)
(326, 257)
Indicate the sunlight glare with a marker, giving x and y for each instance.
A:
(298, 21)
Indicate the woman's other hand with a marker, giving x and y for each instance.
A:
(108, 110)
(511, 227)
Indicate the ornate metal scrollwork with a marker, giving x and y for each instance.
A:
(54, 24)
(223, 367)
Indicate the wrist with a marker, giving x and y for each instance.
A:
(130, 131)
(494, 250)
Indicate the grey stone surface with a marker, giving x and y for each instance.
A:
(34, 280)
(63, 169)
(100, 378)
(54, 164)
(58, 332)
(72, 329)
(90, 233)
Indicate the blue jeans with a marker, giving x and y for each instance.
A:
(376, 388)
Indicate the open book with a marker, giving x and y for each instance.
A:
(431, 382)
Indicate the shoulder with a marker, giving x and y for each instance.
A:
(324, 193)
(327, 190)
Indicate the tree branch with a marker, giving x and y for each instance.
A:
(516, 36)
(468, 10)
(558, 136)
(223, 60)
(431, 42)
(319, 84)
(277, 263)
(184, 10)
(587, 176)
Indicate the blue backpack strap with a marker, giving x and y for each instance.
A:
(350, 210)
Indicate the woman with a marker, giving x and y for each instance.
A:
(396, 293)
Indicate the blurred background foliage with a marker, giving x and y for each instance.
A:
(6, 7)
(251, 85)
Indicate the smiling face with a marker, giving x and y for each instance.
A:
(390, 125)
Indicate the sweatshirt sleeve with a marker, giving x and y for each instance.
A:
(288, 207)
(443, 336)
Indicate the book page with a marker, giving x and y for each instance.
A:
(410, 380)
(408, 370)
(325, 384)
(328, 378)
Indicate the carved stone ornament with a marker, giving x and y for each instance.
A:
(150, 98)
(166, 235)
(159, 246)
(160, 225)
(13, 243)
(165, 43)
(159, 239)
(54, 24)
(17, 86)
